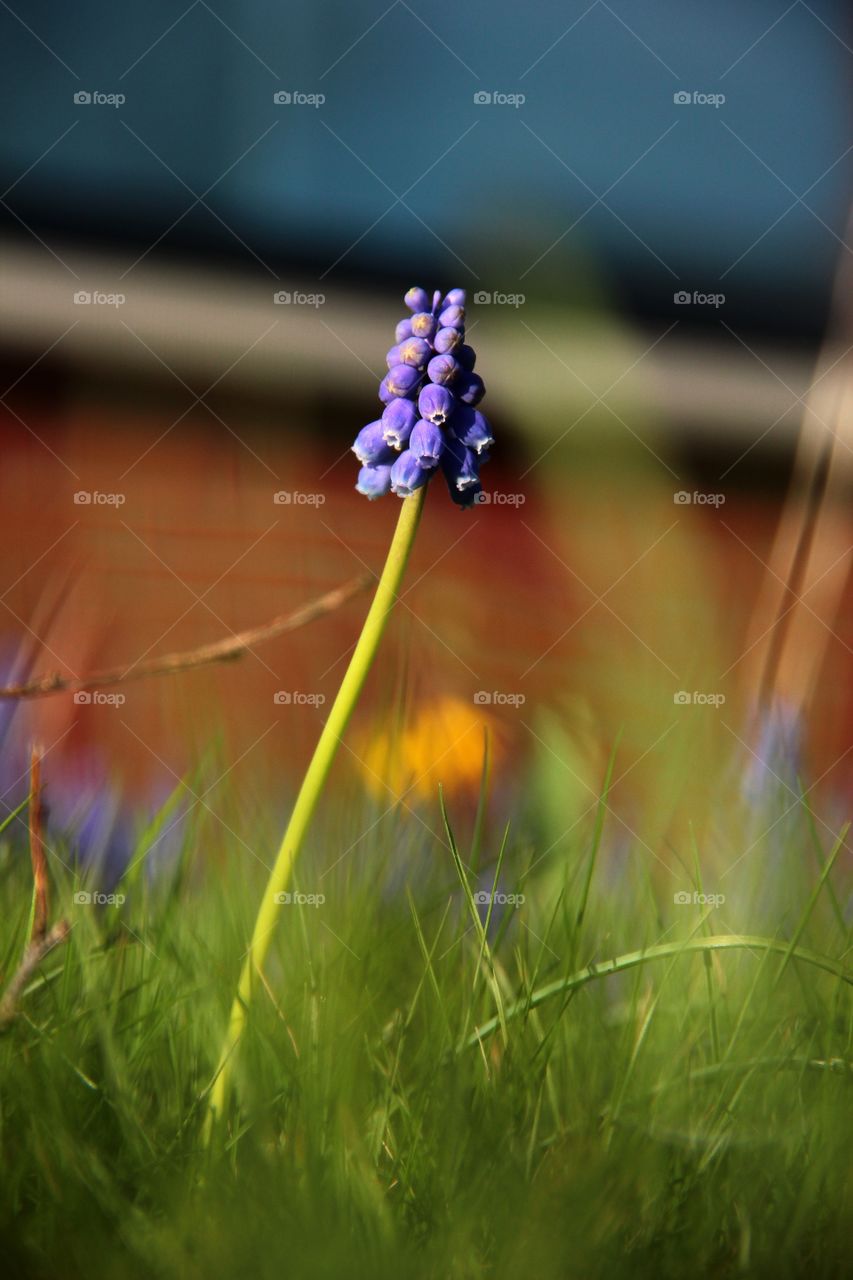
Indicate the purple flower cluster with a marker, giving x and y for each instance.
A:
(430, 419)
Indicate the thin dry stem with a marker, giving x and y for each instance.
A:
(169, 663)
(39, 861)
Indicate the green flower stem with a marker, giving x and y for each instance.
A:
(310, 791)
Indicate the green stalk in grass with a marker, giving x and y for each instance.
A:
(310, 792)
(430, 421)
(662, 951)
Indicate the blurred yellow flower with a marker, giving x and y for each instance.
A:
(443, 744)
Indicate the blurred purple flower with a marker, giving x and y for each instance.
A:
(87, 821)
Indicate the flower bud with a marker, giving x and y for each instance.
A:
(468, 474)
(370, 445)
(392, 356)
(456, 298)
(397, 422)
(436, 403)
(471, 429)
(414, 351)
(446, 340)
(427, 444)
(417, 299)
(423, 325)
(466, 356)
(461, 470)
(403, 330)
(452, 317)
(385, 395)
(469, 387)
(443, 369)
(374, 482)
(402, 380)
(407, 475)
(436, 302)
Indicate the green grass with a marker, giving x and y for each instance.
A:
(597, 1082)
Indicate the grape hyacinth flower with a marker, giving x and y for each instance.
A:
(430, 393)
(429, 424)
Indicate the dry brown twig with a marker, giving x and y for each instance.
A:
(40, 887)
(33, 956)
(41, 939)
(219, 651)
